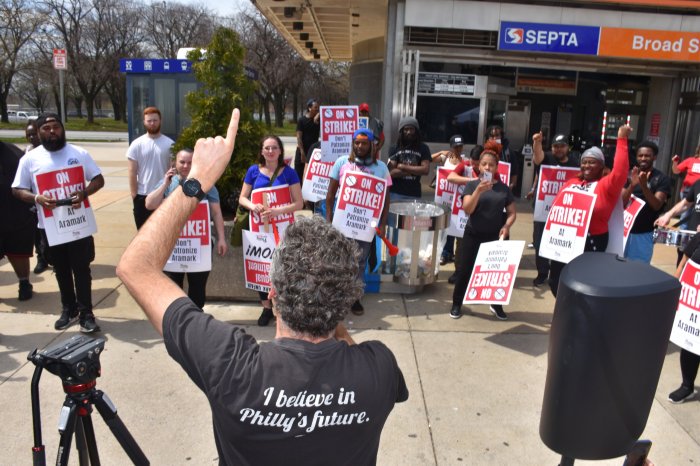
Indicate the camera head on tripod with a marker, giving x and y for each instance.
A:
(75, 361)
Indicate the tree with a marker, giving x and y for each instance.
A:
(224, 87)
(172, 26)
(17, 24)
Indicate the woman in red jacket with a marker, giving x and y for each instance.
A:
(607, 188)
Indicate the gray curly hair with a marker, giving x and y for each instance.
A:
(314, 272)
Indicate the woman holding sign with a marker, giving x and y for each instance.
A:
(608, 189)
(268, 172)
(484, 200)
(689, 361)
(196, 281)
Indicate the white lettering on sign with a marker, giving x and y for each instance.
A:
(639, 42)
(568, 216)
(194, 228)
(330, 127)
(564, 38)
(364, 198)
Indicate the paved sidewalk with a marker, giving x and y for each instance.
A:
(476, 384)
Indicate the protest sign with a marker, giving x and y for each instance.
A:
(316, 178)
(549, 183)
(275, 196)
(444, 190)
(338, 123)
(564, 236)
(630, 215)
(64, 223)
(360, 203)
(458, 217)
(504, 172)
(686, 329)
(257, 259)
(192, 251)
(494, 272)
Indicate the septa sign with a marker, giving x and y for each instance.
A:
(550, 182)
(360, 202)
(494, 272)
(552, 38)
(64, 223)
(192, 251)
(317, 177)
(686, 326)
(257, 259)
(564, 236)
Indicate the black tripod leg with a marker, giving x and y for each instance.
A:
(109, 413)
(88, 432)
(80, 442)
(66, 427)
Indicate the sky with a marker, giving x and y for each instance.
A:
(222, 7)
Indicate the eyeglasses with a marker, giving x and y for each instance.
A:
(271, 148)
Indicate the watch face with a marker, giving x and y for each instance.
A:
(192, 188)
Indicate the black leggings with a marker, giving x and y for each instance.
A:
(467, 257)
(196, 285)
(594, 243)
(689, 367)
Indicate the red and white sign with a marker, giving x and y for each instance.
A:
(458, 217)
(64, 223)
(630, 215)
(257, 259)
(360, 203)
(317, 177)
(494, 272)
(504, 172)
(338, 123)
(686, 328)
(564, 236)
(192, 251)
(550, 182)
(60, 59)
(444, 190)
(275, 196)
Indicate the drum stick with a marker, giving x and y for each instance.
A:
(266, 205)
(393, 250)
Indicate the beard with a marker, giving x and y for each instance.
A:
(53, 144)
(155, 130)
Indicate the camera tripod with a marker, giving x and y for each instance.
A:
(75, 419)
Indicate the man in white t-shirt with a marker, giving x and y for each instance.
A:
(149, 158)
(71, 259)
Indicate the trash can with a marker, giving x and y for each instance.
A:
(607, 344)
(416, 228)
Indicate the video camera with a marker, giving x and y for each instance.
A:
(75, 361)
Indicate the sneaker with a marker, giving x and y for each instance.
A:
(25, 290)
(357, 308)
(68, 318)
(265, 317)
(452, 279)
(681, 395)
(456, 311)
(444, 260)
(539, 280)
(41, 266)
(498, 311)
(88, 324)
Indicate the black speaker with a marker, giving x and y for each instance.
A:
(607, 344)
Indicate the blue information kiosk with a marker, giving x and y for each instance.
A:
(162, 83)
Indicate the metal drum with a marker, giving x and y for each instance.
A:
(669, 237)
(416, 228)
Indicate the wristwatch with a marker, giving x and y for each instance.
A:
(192, 188)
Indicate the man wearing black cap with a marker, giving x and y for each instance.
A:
(308, 131)
(375, 125)
(558, 157)
(71, 259)
(409, 159)
(361, 159)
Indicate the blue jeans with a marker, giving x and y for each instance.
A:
(640, 247)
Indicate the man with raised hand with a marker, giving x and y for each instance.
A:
(309, 396)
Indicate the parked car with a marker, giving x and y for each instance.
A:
(19, 116)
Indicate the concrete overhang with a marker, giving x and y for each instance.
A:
(333, 26)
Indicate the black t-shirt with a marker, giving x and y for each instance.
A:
(414, 155)
(658, 182)
(18, 215)
(693, 196)
(310, 131)
(287, 401)
(573, 160)
(692, 249)
(488, 217)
